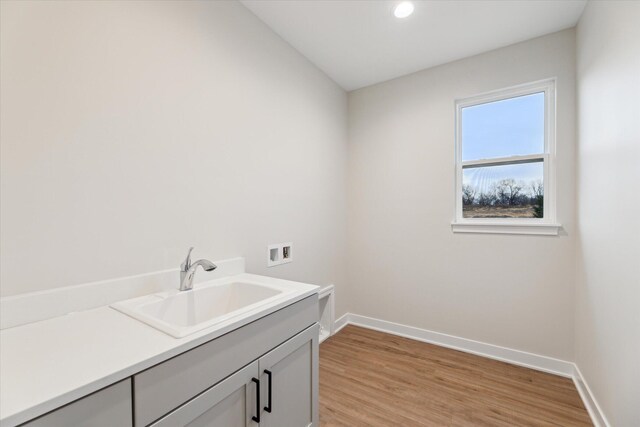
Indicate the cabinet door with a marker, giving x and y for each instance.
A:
(230, 403)
(289, 377)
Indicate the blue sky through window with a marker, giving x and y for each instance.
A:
(509, 127)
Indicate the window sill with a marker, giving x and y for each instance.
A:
(502, 228)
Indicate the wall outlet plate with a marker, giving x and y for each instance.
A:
(287, 252)
(279, 253)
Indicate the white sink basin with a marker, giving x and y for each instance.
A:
(216, 303)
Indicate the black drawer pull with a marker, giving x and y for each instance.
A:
(257, 417)
(268, 407)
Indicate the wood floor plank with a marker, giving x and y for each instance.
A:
(369, 378)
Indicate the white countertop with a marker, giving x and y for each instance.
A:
(50, 363)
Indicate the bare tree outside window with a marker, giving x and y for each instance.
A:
(503, 191)
(504, 199)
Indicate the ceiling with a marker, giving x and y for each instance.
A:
(359, 42)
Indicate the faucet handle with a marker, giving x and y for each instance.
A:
(186, 264)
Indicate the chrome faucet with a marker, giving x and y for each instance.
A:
(188, 270)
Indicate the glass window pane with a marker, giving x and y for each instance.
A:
(510, 127)
(505, 191)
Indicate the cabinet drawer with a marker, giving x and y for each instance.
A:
(164, 387)
(108, 407)
(230, 403)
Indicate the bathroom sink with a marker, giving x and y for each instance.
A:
(181, 313)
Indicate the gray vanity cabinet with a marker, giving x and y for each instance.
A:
(264, 373)
(161, 389)
(287, 378)
(216, 383)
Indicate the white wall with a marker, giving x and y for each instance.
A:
(608, 289)
(405, 264)
(132, 130)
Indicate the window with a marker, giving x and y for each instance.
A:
(504, 161)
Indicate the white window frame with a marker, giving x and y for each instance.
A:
(547, 225)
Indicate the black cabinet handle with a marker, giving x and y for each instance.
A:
(257, 417)
(268, 407)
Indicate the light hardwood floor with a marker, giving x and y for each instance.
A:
(370, 378)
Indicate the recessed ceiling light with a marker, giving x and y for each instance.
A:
(402, 10)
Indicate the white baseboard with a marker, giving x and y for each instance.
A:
(508, 355)
(341, 323)
(590, 402)
(516, 357)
